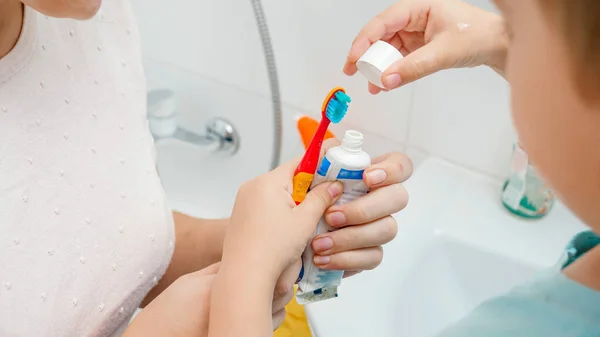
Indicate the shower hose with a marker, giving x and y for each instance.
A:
(265, 37)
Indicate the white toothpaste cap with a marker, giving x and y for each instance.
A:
(375, 61)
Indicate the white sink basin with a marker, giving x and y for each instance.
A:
(456, 247)
(446, 282)
(432, 286)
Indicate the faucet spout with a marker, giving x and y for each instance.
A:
(162, 118)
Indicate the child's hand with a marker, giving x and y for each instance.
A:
(267, 235)
(432, 35)
(267, 230)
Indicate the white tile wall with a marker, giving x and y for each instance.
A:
(417, 156)
(186, 168)
(463, 115)
(211, 52)
(200, 98)
(216, 38)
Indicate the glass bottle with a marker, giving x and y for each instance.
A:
(524, 193)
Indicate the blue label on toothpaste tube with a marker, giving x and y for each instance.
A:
(350, 174)
(325, 164)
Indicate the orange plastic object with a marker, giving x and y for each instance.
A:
(307, 126)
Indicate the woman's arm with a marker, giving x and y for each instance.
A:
(179, 311)
(198, 244)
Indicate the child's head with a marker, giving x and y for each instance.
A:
(554, 70)
(76, 9)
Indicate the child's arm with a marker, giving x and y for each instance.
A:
(267, 235)
(241, 301)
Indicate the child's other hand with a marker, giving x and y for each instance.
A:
(268, 232)
(366, 223)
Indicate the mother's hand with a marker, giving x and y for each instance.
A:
(432, 35)
(365, 224)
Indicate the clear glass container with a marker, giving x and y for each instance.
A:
(524, 192)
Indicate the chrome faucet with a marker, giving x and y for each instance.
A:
(162, 117)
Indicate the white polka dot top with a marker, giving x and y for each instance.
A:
(84, 229)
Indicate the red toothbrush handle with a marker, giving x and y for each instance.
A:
(311, 157)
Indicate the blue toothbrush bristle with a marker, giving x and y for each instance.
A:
(337, 107)
(342, 97)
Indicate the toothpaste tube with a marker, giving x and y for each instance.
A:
(345, 163)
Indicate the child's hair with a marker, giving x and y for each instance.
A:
(579, 23)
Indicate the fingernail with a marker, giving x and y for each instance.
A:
(376, 176)
(322, 244)
(321, 260)
(392, 81)
(335, 189)
(336, 219)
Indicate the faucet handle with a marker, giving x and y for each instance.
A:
(225, 134)
(162, 118)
